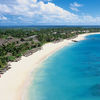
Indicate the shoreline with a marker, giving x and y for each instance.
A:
(13, 83)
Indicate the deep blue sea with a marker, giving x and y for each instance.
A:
(72, 73)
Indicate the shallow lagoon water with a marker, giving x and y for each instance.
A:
(72, 73)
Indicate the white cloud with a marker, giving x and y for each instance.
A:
(34, 11)
(3, 17)
(33, 8)
(4, 8)
(75, 6)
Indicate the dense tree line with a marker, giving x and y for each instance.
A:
(11, 51)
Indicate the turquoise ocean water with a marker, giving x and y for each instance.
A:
(72, 73)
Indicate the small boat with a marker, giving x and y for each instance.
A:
(74, 41)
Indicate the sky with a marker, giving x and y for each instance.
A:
(49, 12)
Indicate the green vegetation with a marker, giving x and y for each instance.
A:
(16, 42)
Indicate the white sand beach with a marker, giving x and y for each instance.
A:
(13, 81)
